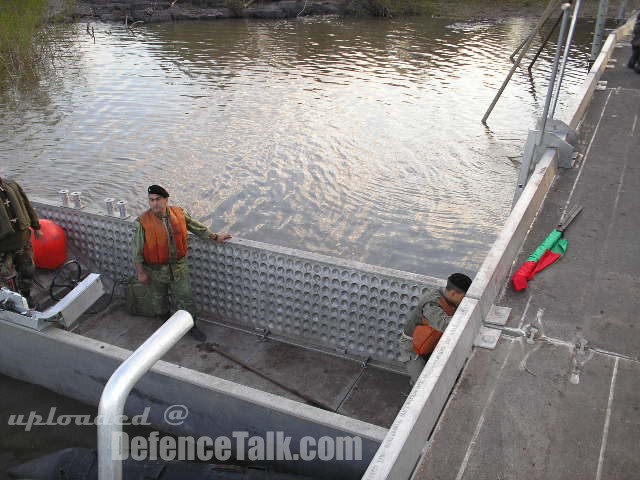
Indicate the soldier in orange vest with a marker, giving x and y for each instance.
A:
(427, 322)
(160, 255)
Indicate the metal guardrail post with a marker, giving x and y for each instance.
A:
(523, 52)
(536, 138)
(554, 70)
(622, 12)
(565, 58)
(544, 42)
(598, 35)
(119, 386)
(543, 19)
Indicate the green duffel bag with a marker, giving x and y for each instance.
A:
(142, 301)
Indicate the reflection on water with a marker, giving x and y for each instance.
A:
(355, 138)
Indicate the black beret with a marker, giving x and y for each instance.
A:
(459, 281)
(157, 190)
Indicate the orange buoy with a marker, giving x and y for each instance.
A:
(50, 251)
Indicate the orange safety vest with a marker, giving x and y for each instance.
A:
(425, 337)
(156, 236)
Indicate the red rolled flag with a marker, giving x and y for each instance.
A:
(547, 253)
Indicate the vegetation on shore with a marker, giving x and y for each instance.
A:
(393, 8)
(27, 40)
(441, 8)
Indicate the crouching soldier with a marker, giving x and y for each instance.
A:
(427, 322)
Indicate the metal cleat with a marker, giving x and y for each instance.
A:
(494, 325)
(263, 337)
(531, 333)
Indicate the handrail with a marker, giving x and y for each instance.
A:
(119, 386)
(565, 58)
(527, 44)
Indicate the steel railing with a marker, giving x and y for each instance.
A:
(117, 389)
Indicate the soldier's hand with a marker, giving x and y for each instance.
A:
(220, 237)
(144, 278)
(38, 233)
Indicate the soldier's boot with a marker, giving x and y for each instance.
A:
(197, 334)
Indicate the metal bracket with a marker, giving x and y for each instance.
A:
(76, 302)
(65, 312)
(489, 333)
(263, 337)
(366, 361)
(487, 338)
(498, 315)
(14, 309)
(557, 135)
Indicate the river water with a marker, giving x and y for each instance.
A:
(359, 139)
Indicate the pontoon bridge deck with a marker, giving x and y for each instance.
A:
(335, 383)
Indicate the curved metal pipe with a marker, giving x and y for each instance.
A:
(119, 386)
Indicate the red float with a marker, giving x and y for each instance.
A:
(50, 251)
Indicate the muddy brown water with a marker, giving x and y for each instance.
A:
(359, 139)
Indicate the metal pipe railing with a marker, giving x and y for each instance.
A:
(523, 52)
(544, 42)
(119, 386)
(548, 11)
(565, 58)
(531, 148)
(554, 70)
(598, 34)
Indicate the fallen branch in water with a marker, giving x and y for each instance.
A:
(91, 32)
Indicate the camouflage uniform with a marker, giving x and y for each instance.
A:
(16, 250)
(170, 281)
(427, 307)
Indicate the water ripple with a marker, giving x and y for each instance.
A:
(355, 138)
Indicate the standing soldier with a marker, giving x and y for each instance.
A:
(160, 255)
(16, 250)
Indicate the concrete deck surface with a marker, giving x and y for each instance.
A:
(515, 413)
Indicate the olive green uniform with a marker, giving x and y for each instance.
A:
(16, 250)
(167, 281)
(429, 308)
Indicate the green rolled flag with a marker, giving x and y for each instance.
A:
(547, 253)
